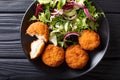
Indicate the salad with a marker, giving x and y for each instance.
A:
(66, 19)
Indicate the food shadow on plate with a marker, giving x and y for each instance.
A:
(56, 70)
(63, 70)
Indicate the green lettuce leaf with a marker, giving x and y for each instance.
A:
(33, 18)
(44, 1)
(60, 4)
(45, 16)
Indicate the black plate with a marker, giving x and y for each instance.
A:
(64, 71)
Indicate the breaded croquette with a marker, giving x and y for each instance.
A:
(39, 29)
(37, 48)
(76, 57)
(53, 56)
(89, 40)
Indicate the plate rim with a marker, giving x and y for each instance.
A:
(91, 68)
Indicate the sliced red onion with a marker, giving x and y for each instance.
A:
(72, 3)
(57, 12)
(86, 11)
(78, 5)
(68, 5)
(38, 8)
(70, 33)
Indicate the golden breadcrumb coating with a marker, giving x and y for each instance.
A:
(76, 57)
(53, 56)
(89, 40)
(39, 29)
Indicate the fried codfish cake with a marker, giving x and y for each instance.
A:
(89, 40)
(53, 56)
(37, 48)
(39, 29)
(76, 57)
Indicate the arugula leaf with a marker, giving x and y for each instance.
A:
(93, 25)
(92, 9)
(60, 25)
(61, 43)
(85, 23)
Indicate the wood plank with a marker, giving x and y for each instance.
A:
(14, 69)
(10, 44)
(114, 44)
(14, 5)
(13, 62)
(21, 69)
(17, 68)
(22, 5)
(109, 5)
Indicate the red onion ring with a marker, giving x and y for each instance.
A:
(70, 33)
(59, 12)
(70, 5)
(87, 13)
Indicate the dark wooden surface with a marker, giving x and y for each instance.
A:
(15, 66)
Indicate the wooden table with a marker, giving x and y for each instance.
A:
(15, 66)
